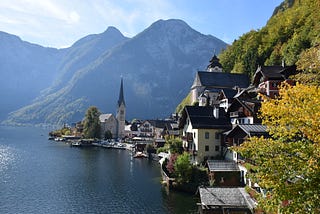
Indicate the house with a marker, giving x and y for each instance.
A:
(236, 137)
(219, 200)
(146, 129)
(224, 173)
(243, 110)
(268, 78)
(201, 128)
(171, 129)
(210, 82)
(225, 97)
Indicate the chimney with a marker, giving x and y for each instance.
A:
(216, 112)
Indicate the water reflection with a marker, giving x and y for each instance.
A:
(39, 176)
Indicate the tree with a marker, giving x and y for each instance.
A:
(288, 163)
(175, 144)
(309, 63)
(183, 168)
(107, 135)
(91, 125)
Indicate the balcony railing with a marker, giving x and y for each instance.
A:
(236, 114)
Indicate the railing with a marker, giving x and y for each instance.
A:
(236, 114)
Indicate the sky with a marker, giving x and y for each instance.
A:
(60, 23)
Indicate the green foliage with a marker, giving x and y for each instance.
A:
(107, 135)
(293, 29)
(183, 168)
(165, 148)
(309, 62)
(288, 163)
(186, 101)
(174, 144)
(91, 124)
(60, 132)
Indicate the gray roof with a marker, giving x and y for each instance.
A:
(202, 117)
(249, 129)
(273, 72)
(229, 92)
(225, 197)
(222, 166)
(104, 117)
(253, 128)
(222, 79)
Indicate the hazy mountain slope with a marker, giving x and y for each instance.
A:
(158, 66)
(25, 70)
(84, 52)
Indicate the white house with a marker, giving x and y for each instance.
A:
(201, 131)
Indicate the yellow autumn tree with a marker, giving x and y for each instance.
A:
(288, 163)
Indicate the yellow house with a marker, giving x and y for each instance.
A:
(201, 131)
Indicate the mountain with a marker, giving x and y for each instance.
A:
(292, 31)
(25, 70)
(157, 66)
(84, 52)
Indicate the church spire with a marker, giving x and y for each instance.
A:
(121, 97)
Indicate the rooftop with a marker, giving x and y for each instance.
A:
(218, 197)
(222, 165)
(202, 117)
(221, 80)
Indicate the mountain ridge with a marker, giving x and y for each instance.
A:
(153, 63)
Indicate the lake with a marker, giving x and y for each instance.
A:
(42, 176)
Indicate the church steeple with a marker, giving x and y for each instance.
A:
(214, 65)
(121, 97)
(121, 113)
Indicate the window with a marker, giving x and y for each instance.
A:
(217, 148)
(206, 135)
(206, 148)
(194, 135)
(217, 136)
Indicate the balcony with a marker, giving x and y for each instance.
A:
(236, 114)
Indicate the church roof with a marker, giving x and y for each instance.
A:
(104, 117)
(121, 97)
(220, 80)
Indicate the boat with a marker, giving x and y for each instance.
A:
(76, 143)
(140, 155)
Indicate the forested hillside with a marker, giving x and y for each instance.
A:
(291, 35)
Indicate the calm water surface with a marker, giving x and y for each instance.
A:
(40, 176)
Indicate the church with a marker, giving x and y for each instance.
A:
(115, 124)
(208, 84)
